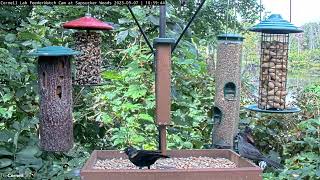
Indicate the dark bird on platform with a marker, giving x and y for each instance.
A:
(143, 158)
(249, 151)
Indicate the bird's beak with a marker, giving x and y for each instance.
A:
(121, 151)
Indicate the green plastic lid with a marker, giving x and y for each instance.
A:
(54, 51)
(275, 24)
(230, 37)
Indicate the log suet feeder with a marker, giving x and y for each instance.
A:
(89, 63)
(227, 97)
(274, 65)
(55, 86)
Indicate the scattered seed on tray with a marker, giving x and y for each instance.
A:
(169, 163)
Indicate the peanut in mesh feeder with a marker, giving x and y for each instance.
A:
(274, 65)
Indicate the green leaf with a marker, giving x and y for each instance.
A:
(114, 75)
(154, 20)
(32, 21)
(29, 151)
(5, 162)
(5, 152)
(135, 91)
(42, 22)
(146, 117)
(10, 37)
(6, 135)
(122, 36)
(106, 118)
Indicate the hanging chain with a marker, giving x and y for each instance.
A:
(235, 16)
(227, 23)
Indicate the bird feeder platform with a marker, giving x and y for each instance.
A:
(244, 168)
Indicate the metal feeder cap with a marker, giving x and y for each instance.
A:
(275, 24)
(54, 51)
(164, 41)
(87, 23)
(230, 37)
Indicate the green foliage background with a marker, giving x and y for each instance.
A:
(122, 111)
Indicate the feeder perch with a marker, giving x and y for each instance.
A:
(274, 65)
(227, 98)
(88, 64)
(55, 85)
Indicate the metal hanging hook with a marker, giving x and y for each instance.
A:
(88, 11)
(227, 21)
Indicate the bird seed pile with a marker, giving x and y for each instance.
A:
(273, 75)
(88, 64)
(169, 163)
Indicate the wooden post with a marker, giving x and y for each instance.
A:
(163, 87)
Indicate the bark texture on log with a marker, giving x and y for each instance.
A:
(55, 85)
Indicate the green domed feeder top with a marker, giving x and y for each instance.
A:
(230, 37)
(275, 24)
(54, 51)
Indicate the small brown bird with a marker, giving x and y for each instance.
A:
(143, 158)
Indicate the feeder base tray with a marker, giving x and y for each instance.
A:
(244, 169)
(254, 107)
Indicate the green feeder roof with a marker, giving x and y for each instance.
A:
(230, 37)
(54, 51)
(275, 24)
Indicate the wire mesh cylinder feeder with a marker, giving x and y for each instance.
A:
(273, 71)
(274, 61)
(89, 63)
(55, 85)
(227, 97)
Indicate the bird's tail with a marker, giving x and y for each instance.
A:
(164, 156)
(273, 163)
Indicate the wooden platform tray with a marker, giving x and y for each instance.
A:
(245, 170)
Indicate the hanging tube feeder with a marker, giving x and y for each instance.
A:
(55, 86)
(227, 98)
(274, 65)
(88, 64)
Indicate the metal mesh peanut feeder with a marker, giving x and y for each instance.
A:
(55, 85)
(227, 98)
(274, 64)
(88, 64)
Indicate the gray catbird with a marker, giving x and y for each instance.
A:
(247, 150)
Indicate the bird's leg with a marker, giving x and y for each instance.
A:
(148, 167)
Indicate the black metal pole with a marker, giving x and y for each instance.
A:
(189, 23)
(290, 9)
(162, 22)
(260, 10)
(141, 30)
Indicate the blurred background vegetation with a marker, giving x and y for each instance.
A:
(121, 113)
